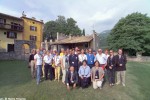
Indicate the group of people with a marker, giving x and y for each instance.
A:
(75, 67)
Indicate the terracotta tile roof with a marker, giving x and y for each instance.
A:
(71, 40)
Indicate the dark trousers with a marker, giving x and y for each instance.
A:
(76, 68)
(84, 82)
(48, 68)
(111, 76)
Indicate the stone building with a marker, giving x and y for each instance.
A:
(83, 42)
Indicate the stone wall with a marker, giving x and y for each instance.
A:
(13, 56)
(139, 58)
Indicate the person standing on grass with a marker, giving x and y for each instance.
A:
(111, 64)
(97, 75)
(76, 50)
(82, 57)
(71, 78)
(43, 68)
(64, 66)
(106, 53)
(84, 74)
(73, 60)
(90, 58)
(38, 63)
(57, 64)
(62, 51)
(101, 57)
(48, 58)
(121, 67)
(32, 64)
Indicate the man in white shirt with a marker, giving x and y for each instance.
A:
(48, 65)
(101, 57)
(38, 63)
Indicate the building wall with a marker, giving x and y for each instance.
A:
(38, 33)
(4, 41)
(96, 41)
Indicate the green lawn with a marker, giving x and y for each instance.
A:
(15, 82)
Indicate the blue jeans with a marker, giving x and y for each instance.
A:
(39, 68)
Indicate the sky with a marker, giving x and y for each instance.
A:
(98, 15)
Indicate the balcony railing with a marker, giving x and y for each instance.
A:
(11, 27)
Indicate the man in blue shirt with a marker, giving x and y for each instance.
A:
(90, 58)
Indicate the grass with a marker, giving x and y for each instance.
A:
(16, 82)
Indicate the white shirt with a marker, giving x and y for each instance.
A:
(48, 59)
(107, 56)
(101, 58)
(57, 60)
(82, 57)
(38, 59)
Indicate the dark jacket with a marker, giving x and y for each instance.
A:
(31, 57)
(73, 60)
(111, 62)
(122, 61)
(68, 77)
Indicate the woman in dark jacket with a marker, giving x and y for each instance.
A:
(111, 64)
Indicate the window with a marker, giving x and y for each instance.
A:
(2, 21)
(16, 26)
(33, 38)
(33, 28)
(11, 35)
(10, 47)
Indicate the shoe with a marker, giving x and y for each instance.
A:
(117, 83)
(100, 87)
(123, 84)
(37, 83)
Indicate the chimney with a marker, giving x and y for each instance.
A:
(41, 21)
(33, 18)
(70, 37)
(57, 36)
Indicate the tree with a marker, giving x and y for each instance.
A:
(83, 32)
(50, 29)
(131, 33)
(67, 26)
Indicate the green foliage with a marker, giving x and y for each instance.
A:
(62, 25)
(131, 33)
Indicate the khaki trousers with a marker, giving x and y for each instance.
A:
(97, 84)
(33, 69)
(57, 73)
(121, 77)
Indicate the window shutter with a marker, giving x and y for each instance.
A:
(35, 28)
(35, 38)
(15, 35)
(4, 21)
(7, 34)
